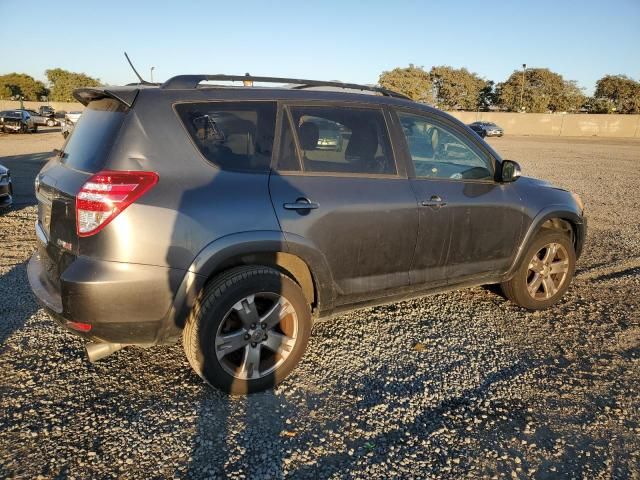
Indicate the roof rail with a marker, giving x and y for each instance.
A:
(192, 81)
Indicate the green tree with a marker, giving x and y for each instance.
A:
(620, 92)
(487, 95)
(457, 89)
(63, 83)
(414, 82)
(14, 85)
(543, 91)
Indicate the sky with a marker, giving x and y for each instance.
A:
(330, 40)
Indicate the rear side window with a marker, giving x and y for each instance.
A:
(232, 135)
(93, 135)
(343, 140)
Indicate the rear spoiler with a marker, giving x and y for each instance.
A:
(124, 95)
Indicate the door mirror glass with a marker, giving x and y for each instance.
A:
(510, 171)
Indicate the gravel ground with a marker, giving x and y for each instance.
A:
(462, 385)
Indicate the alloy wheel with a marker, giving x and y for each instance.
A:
(547, 272)
(256, 336)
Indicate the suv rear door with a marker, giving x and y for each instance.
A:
(337, 186)
(61, 178)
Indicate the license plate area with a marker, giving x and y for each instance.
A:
(44, 215)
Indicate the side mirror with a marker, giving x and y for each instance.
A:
(510, 171)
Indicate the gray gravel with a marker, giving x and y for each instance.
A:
(462, 385)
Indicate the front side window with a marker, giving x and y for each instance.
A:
(439, 152)
(232, 135)
(343, 140)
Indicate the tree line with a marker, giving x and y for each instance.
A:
(535, 90)
(62, 83)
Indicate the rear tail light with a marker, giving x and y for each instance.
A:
(106, 194)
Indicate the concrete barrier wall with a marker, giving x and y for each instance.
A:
(569, 125)
(66, 106)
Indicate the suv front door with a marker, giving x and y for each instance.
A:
(453, 179)
(337, 185)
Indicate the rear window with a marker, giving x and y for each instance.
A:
(93, 135)
(232, 135)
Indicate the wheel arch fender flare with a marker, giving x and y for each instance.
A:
(297, 258)
(563, 212)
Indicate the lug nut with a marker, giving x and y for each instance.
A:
(253, 344)
(253, 325)
(263, 326)
(247, 336)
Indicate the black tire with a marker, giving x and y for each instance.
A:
(65, 135)
(214, 306)
(517, 289)
(35, 129)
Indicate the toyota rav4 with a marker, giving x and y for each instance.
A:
(234, 217)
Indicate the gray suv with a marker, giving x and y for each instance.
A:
(228, 216)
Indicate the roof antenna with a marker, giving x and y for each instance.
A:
(142, 81)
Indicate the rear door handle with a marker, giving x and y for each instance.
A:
(434, 201)
(301, 204)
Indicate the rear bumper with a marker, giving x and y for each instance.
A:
(122, 302)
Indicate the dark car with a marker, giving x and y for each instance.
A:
(17, 121)
(215, 214)
(486, 129)
(6, 188)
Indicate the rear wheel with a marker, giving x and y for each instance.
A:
(248, 330)
(545, 274)
(50, 123)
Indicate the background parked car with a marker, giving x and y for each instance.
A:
(486, 129)
(6, 188)
(17, 121)
(42, 120)
(69, 123)
(50, 114)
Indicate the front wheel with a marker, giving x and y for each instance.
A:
(248, 330)
(545, 273)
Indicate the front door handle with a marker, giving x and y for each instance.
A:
(434, 201)
(301, 204)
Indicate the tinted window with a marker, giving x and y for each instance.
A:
(343, 140)
(235, 136)
(440, 152)
(93, 135)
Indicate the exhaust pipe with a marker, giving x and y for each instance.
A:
(98, 351)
